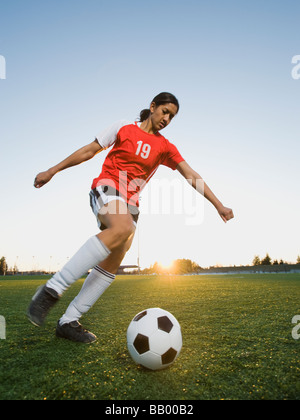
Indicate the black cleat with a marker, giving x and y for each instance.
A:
(41, 303)
(74, 331)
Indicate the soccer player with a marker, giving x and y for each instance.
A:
(138, 150)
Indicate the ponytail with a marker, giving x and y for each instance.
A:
(144, 115)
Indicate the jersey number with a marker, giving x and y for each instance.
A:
(143, 150)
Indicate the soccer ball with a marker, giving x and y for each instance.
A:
(154, 339)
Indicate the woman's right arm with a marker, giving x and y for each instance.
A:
(82, 155)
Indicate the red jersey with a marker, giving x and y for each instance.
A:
(134, 159)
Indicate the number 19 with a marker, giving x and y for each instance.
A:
(144, 150)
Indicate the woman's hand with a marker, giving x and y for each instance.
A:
(82, 155)
(42, 178)
(225, 213)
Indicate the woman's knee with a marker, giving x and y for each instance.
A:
(122, 234)
(126, 231)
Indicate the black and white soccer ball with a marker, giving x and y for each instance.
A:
(154, 339)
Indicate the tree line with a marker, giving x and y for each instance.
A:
(267, 260)
(181, 266)
(185, 266)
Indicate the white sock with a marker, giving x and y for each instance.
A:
(94, 286)
(90, 254)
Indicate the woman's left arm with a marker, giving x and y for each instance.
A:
(198, 183)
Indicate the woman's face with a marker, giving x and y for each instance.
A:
(162, 115)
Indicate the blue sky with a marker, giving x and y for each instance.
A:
(75, 67)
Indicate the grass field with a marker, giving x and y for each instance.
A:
(237, 341)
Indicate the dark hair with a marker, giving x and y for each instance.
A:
(162, 98)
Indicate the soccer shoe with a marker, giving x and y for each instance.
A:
(41, 303)
(74, 331)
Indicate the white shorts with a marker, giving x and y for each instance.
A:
(103, 195)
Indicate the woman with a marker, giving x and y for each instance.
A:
(137, 153)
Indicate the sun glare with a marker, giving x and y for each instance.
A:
(166, 267)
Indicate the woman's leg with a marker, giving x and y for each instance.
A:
(120, 228)
(97, 249)
(96, 283)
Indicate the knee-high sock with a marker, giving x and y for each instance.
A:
(90, 254)
(94, 286)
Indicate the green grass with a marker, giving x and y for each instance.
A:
(237, 341)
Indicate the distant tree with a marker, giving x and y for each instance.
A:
(3, 266)
(156, 268)
(256, 260)
(266, 261)
(298, 259)
(275, 262)
(184, 266)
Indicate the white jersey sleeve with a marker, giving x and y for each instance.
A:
(109, 136)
